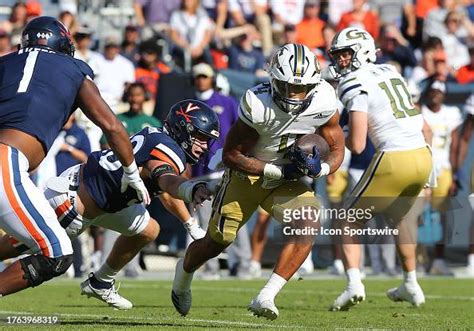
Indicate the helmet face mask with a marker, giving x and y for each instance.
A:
(359, 42)
(194, 126)
(294, 75)
(48, 32)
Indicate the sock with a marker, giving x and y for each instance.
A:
(353, 276)
(272, 287)
(184, 279)
(470, 260)
(106, 273)
(409, 277)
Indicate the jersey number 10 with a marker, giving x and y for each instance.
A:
(399, 98)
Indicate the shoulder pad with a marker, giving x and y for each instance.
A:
(349, 87)
(84, 68)
(251, 105)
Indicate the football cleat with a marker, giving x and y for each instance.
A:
(265, 308)
(440, 268)
(351, 296)
(411, 293)
(182, 299)
(108, 295)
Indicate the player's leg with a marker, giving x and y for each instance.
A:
(236, 200)
(137, 230)
(258, 241)
(289, 197)
(27, 216)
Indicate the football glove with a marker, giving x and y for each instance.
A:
(309, 165)
(131, 177)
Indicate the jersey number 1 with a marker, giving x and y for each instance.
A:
(398, 92)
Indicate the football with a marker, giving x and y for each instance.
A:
(307, 142)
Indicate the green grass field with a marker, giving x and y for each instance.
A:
(222, 305)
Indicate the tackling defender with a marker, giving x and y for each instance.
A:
(295, 102)
(41, 85)
(379, 104)
(90, 194)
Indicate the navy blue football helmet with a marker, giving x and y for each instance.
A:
(48, 32)
(188, 119)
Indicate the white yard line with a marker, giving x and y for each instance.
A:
(161, 318)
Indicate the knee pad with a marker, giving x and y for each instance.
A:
(39, 268)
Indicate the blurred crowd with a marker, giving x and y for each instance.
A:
(429, 41)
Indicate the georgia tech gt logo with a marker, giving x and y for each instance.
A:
(354, 34)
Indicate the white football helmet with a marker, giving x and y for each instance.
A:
(360, 42)
(294, 70)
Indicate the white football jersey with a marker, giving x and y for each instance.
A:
(442, 124)
(394, 124)
(278, 130)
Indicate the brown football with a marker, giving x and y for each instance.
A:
(307, 142)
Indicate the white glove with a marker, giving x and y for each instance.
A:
(194, 229)
(131, 177)
(74, 229)
(187, 191)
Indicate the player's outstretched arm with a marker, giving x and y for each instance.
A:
(178, 208)
(97, 110)
(239, 142)
(333, 134)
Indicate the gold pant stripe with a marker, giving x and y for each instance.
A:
(367, 176)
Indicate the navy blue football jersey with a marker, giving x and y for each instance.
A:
(38, 90)
(103, 172)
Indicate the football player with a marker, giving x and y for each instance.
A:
(92, 193)
(41, 85)
(296, 101)
(401, 165)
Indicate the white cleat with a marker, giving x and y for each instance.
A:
(411, 293)
(109, 295)
(265, 308)
(182, 300)
(351, 296)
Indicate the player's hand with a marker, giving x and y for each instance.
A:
(309, 165)
(201, 194)
(194, 229)
(131, 177)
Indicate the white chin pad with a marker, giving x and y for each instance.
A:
(58, 184)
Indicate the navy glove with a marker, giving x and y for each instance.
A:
(309, 165)
(291, 172)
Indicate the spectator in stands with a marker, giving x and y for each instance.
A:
(150, 67)
(395, 48)
(289, 35)
(309, 31)
(465, 75)
(432, 51)
(69, 20)
(456, 51)
(76, 146)
(129, 47)
(17, 21)
(245, 57)
(336, 9)
(244, 12)
(5, 43)
(114, 73)
(285, 12)
(135, 119)
(362, 17)
(435, 20)
(153, 16)
(191, 30)
(390, 12)
(83, 40)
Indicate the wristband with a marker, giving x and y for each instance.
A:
(325, 169)
(187, 189)
(130, 168)
(272, 171)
